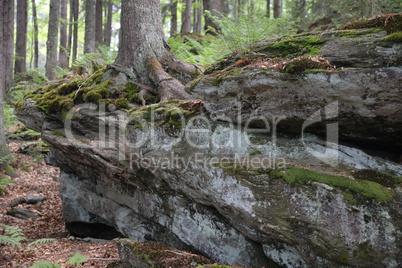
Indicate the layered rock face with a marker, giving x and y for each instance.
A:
(218, 178)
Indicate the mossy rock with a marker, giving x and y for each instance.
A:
(378, 177)
(301, 64)
(391, 23)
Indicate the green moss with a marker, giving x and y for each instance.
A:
(367, 189)
(297, 45)
(195, 82)
(255, 153)
(364, 251)
(122, 103)
(303, 63)
(378, 177)
(57, 133)
(92, 96)
(217, 80)
(394, 38)
(357, 32)
(309, 71)
(391, 23)
(350, 198)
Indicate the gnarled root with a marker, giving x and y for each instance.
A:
(168, 86)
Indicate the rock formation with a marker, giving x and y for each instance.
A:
(216, 178)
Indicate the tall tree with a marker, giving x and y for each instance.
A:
(277, 8)
(107, 36)
(173, 19)
(99, 23)
(143, 51)
(63, 58)
(75, 29)
(268, 8)
(198, 12)
(51, 44)
(186, 18)
(21, 40)
(215, 7)
(8, 38)
(90, 24)
(35, 34)
(3, 30)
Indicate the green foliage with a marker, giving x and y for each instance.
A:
(4, 181)
(12, 236)
(42, 241)
(45, 264)
(24, 133)
(77, 259)
(242, 34)
(92, 62)
(394, 37)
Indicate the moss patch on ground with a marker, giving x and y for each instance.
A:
(62, 95)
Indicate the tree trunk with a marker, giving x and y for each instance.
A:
(8, 14)
(268, 8)
(21, 42)
(36, 31)
(198, 12)
(277, 8)
(90, 24)
(3, 30)
(99, 23)
(173, 20)
(51, 44)
(75, 30)
(108, 26)
(63, 59)
(213, 6)
(186, 18)
(142, 49)
(70, 29)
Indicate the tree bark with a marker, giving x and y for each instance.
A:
(51, 44)
(142, 49)
(99, 23)
(108, 26)
(268, 8)
(75, 30)
(63, 59)
(173, 19)
(198, 12)
(21, 42)
(8, 37)
(277, 8)
(3, 30)
(90, 24)
(213, 7)
(186, 18)
(36, 31)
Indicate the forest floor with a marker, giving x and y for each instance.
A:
(37, 178)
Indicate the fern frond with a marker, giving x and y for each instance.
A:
(12, 236)
(45, 264)
(77, 259)
(42, 241)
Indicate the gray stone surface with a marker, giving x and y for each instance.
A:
(22, 213)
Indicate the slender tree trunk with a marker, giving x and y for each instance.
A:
(70, 30)
(252, 6)
(186, 18)
(99, 23)
(8, 13)
(173, 20)
(108, 26)
(142, 49)
(51, 44)
(268, 8)
(63, 59)
(36, 31)
(90, 24)
(277, 8)
(21, 42)
(198, 12)
(213, 6)
(3, 30)
(75, 30)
